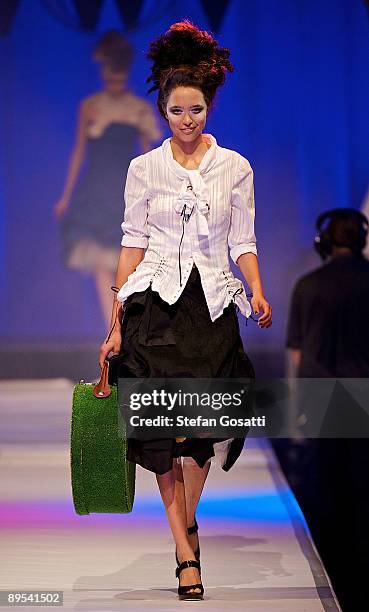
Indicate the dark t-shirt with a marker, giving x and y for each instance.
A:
(329, 319)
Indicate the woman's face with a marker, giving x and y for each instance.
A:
(114, 81)
(186, 111)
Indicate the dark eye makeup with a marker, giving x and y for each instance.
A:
(196, 109)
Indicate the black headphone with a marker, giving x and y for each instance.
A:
(323, 239)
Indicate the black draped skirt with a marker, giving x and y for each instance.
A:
(180, 340)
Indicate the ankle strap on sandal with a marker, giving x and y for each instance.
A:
(184, 564)
(193, 528)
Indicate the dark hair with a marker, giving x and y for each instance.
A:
(346, 230)
(114, 50)
(185, 55)
(340, 227)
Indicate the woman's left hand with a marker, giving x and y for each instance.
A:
(258, 302)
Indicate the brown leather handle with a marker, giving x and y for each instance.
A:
(102, 388)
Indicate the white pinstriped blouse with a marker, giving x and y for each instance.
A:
(185, 217)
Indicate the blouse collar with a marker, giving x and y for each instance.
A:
(206, 164)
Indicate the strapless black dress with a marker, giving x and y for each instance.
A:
(180, 340)
(90, 230)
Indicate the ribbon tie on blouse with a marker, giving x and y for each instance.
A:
(194, 199)
(194, 196)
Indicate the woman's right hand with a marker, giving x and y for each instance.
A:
(114, 344)
(60, 207)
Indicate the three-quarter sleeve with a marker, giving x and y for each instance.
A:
(136, 195)
(241, 236)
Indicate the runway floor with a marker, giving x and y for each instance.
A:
(256, 550)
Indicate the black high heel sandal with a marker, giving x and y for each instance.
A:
(184, 592)
(193, 529)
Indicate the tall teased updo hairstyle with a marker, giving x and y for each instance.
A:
(114, 51)
(187, 56)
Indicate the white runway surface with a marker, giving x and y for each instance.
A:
(257, 554)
